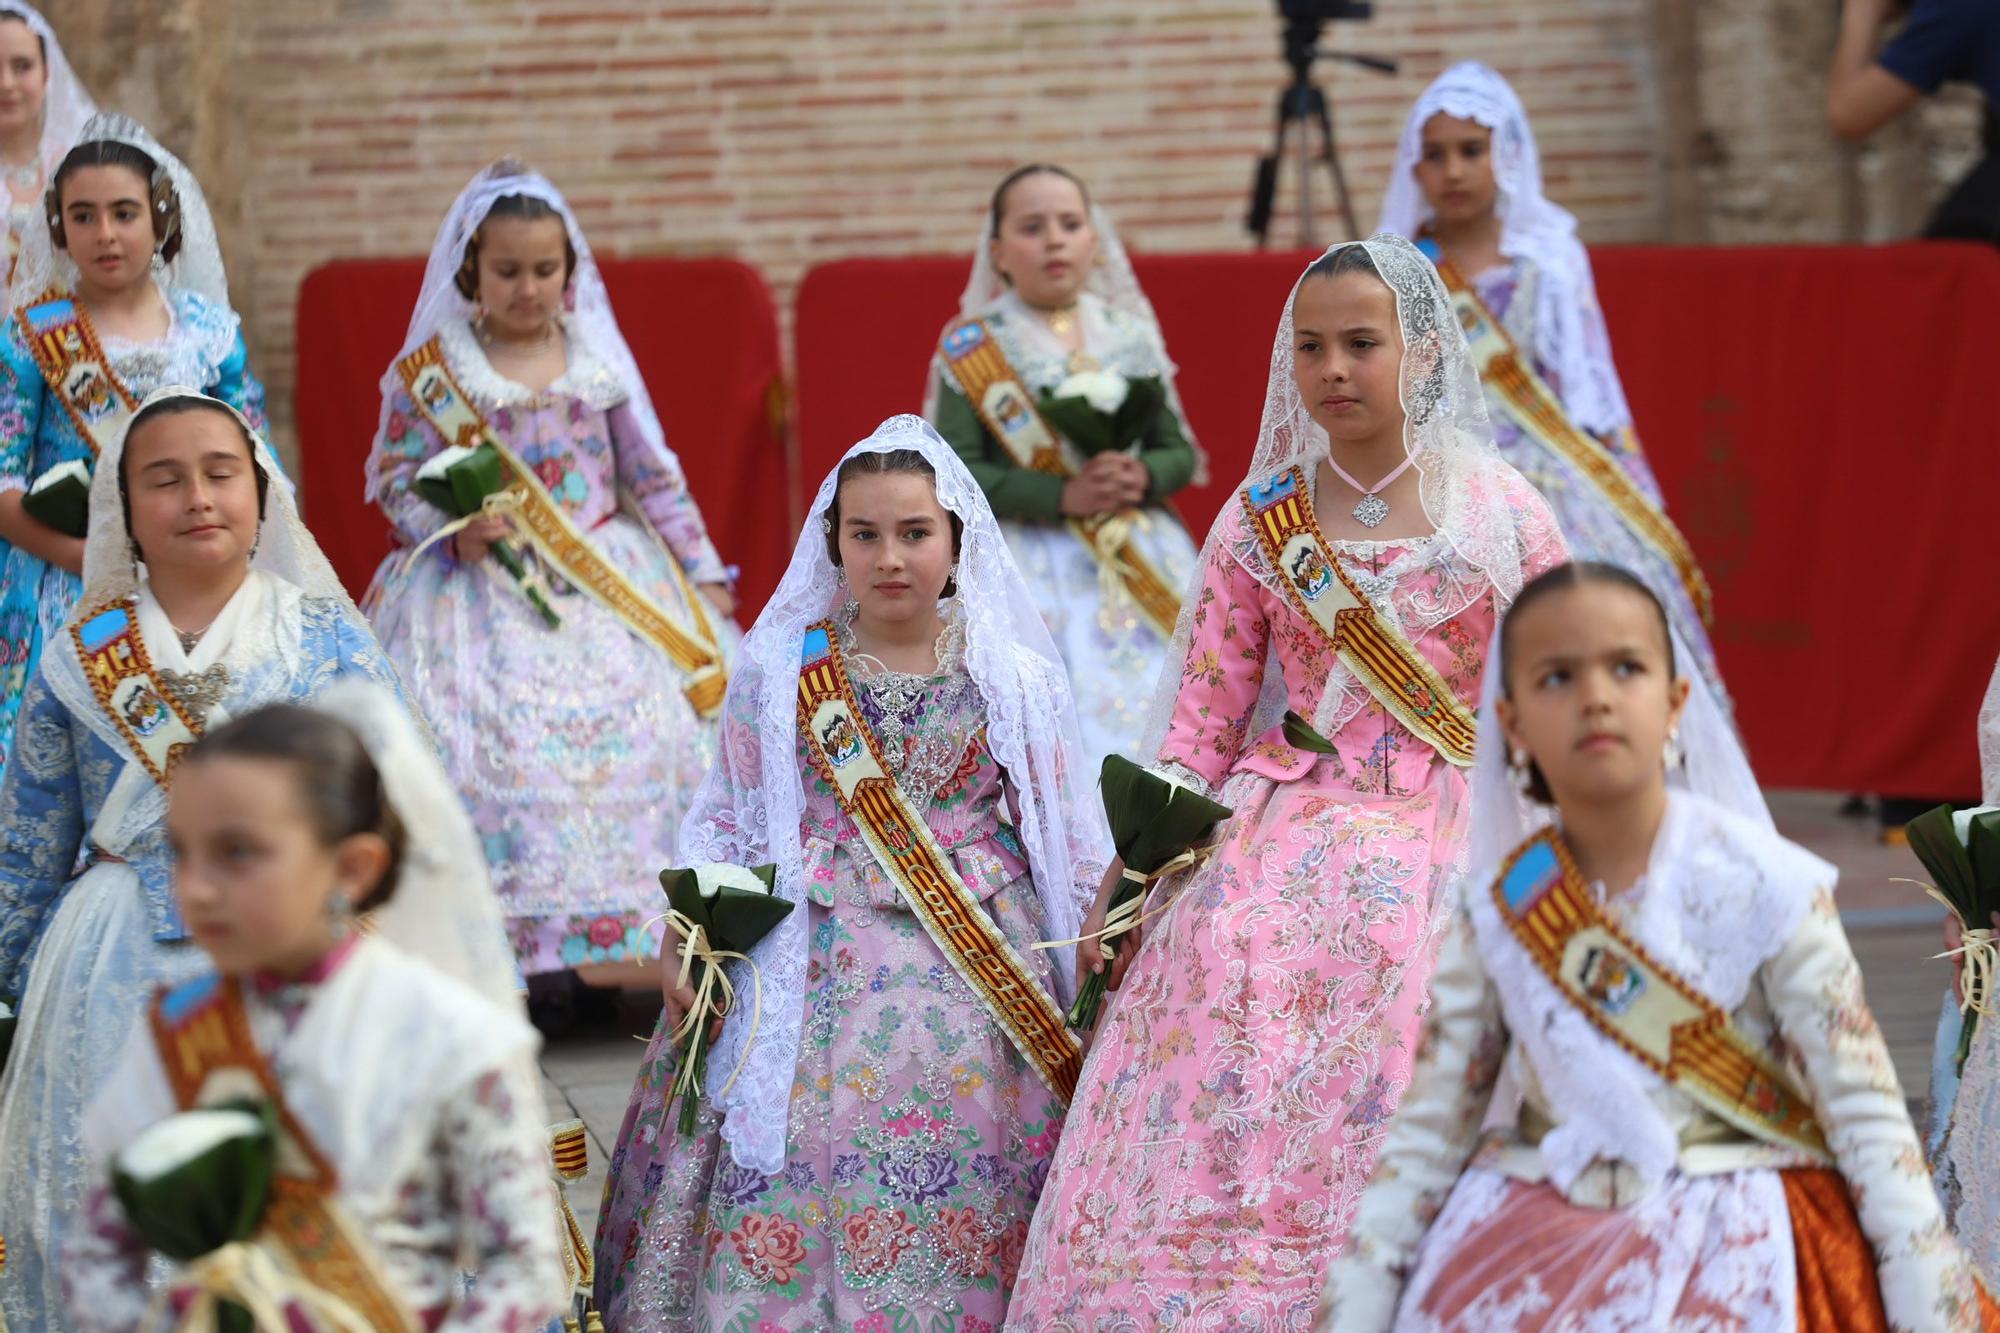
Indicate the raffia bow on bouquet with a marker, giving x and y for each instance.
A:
(1962, 854)
(1158, 826)
(195, 1187)
(470, 484)
(720, 912)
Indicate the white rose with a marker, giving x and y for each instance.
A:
(180, 1139)
(715, 876)
(1104, 390)
(1961, 822)
(443, 461)
(76, 467)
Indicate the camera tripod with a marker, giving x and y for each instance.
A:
(1301, 107)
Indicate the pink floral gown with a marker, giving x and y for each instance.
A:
(575, 748)
(1233, 1102)
(918, 1139)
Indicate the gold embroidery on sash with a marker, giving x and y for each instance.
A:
(848, 756)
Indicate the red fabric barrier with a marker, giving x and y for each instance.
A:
(703, 331)
(1814, 415)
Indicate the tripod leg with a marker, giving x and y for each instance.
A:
(1333, 165)
(1264, 186)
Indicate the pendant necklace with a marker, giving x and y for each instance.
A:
(1372, 508)
(1062, 322)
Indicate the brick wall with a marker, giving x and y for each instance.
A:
(787, 132)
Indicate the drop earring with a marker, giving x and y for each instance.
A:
(1671, 753)
(1520, 771)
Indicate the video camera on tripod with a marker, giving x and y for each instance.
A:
(1303, 104)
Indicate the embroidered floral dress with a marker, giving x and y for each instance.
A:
(457, 1179)
(203, 348)
(1114, 654)
(575, 748)
(84, 948)
(1242, 1078)
(919, 1138)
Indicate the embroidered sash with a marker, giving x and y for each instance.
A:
(1656, 1017)
(1401, 678)
(692, 647)
(1534, 408)
(59, 335)
(205, 1044)
(1006, 407)
(850, 759)
(152, 718)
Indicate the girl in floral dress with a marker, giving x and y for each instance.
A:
(1240, 1084)
(129, 255)
(400, 1053)
(576, 745)
(1467, 186)
(872, 1139)
(1704, 1129)
(1054, 292)
(197, 556)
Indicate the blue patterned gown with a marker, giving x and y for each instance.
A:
(84, 947)
(203, 348)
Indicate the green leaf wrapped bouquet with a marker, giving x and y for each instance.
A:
(1158, 827)
(1101, 410)
(720, 912)
(459, 480)
(1961, 852)
(60, 498)
(196, 1183)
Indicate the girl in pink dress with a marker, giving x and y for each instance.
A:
(1231, 1108)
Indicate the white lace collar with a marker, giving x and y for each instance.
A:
(586, 377)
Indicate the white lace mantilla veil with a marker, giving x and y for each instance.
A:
(589, 317)
(1112, 281)
(66, 106)
(748, 810)
(1570, 337)
(444, 910)
(196, 267)
(1989, 741)
(1465, 484)
(1717, 862)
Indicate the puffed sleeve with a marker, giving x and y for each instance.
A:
(41, 807)
(1813, 985)
(657, 484)
(405, 443)
(1223, 671)
(1434, 1132)
(235, 385)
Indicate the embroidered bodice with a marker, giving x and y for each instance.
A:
(203, 346)
(932, 731)
(1241, 629)
(578, 435)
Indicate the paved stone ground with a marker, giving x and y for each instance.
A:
(1894, 927)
